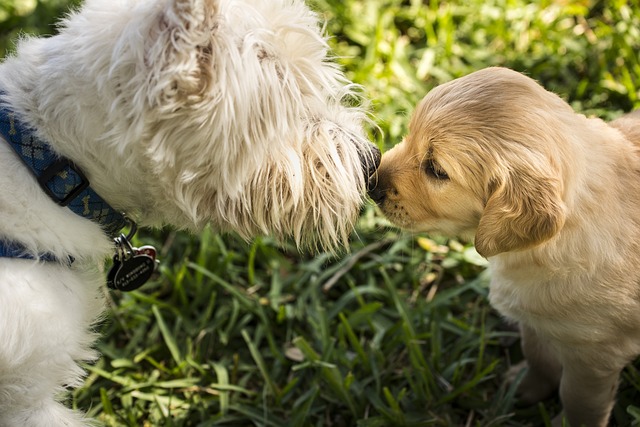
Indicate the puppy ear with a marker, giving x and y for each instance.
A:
(179, 56)
(523, 211)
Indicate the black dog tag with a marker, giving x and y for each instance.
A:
(111, 275)
(132, 267)
(133, 272)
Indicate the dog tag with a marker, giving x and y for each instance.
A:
(149, 251)
(134, 272)
(146, 250)
(113, 271)
(132, 267)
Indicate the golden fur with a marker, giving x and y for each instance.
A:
(552, 199)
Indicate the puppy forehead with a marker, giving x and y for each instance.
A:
(473, 108)
(477, 96)
(417, 143)
(428, 138)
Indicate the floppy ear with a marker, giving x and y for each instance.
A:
(179, 55)
(523, 211)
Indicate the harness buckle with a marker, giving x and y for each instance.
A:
(62, 165)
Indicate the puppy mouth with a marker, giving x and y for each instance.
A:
(377, 188)
(376, 194)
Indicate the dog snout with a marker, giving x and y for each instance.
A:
(371, 161)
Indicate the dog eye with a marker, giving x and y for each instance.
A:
(434, 170)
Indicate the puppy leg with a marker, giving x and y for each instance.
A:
(543, 369)
(587, 394)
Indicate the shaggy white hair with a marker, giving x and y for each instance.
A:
(181, 112)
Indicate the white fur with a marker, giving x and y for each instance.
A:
(181, 112)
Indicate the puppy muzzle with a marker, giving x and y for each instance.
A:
(377, 193)
(378, 186)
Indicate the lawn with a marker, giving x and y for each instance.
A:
(397, 331)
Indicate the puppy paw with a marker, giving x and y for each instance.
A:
(533, 387)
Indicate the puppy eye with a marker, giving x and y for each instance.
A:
(434, 170)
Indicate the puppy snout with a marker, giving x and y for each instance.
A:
(377, 193)
(379, 187)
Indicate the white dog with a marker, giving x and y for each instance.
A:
(181, 112)
(552, 199)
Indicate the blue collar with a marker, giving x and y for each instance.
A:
(16, 250)
(63, 181)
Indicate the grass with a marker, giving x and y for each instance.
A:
(266, 336)
(396, 332)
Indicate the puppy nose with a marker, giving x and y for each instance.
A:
(377, 193)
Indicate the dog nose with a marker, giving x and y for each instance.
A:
(370, 161)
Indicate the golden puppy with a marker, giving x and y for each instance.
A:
(552, 199)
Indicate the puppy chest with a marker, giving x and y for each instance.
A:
(573, 310)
